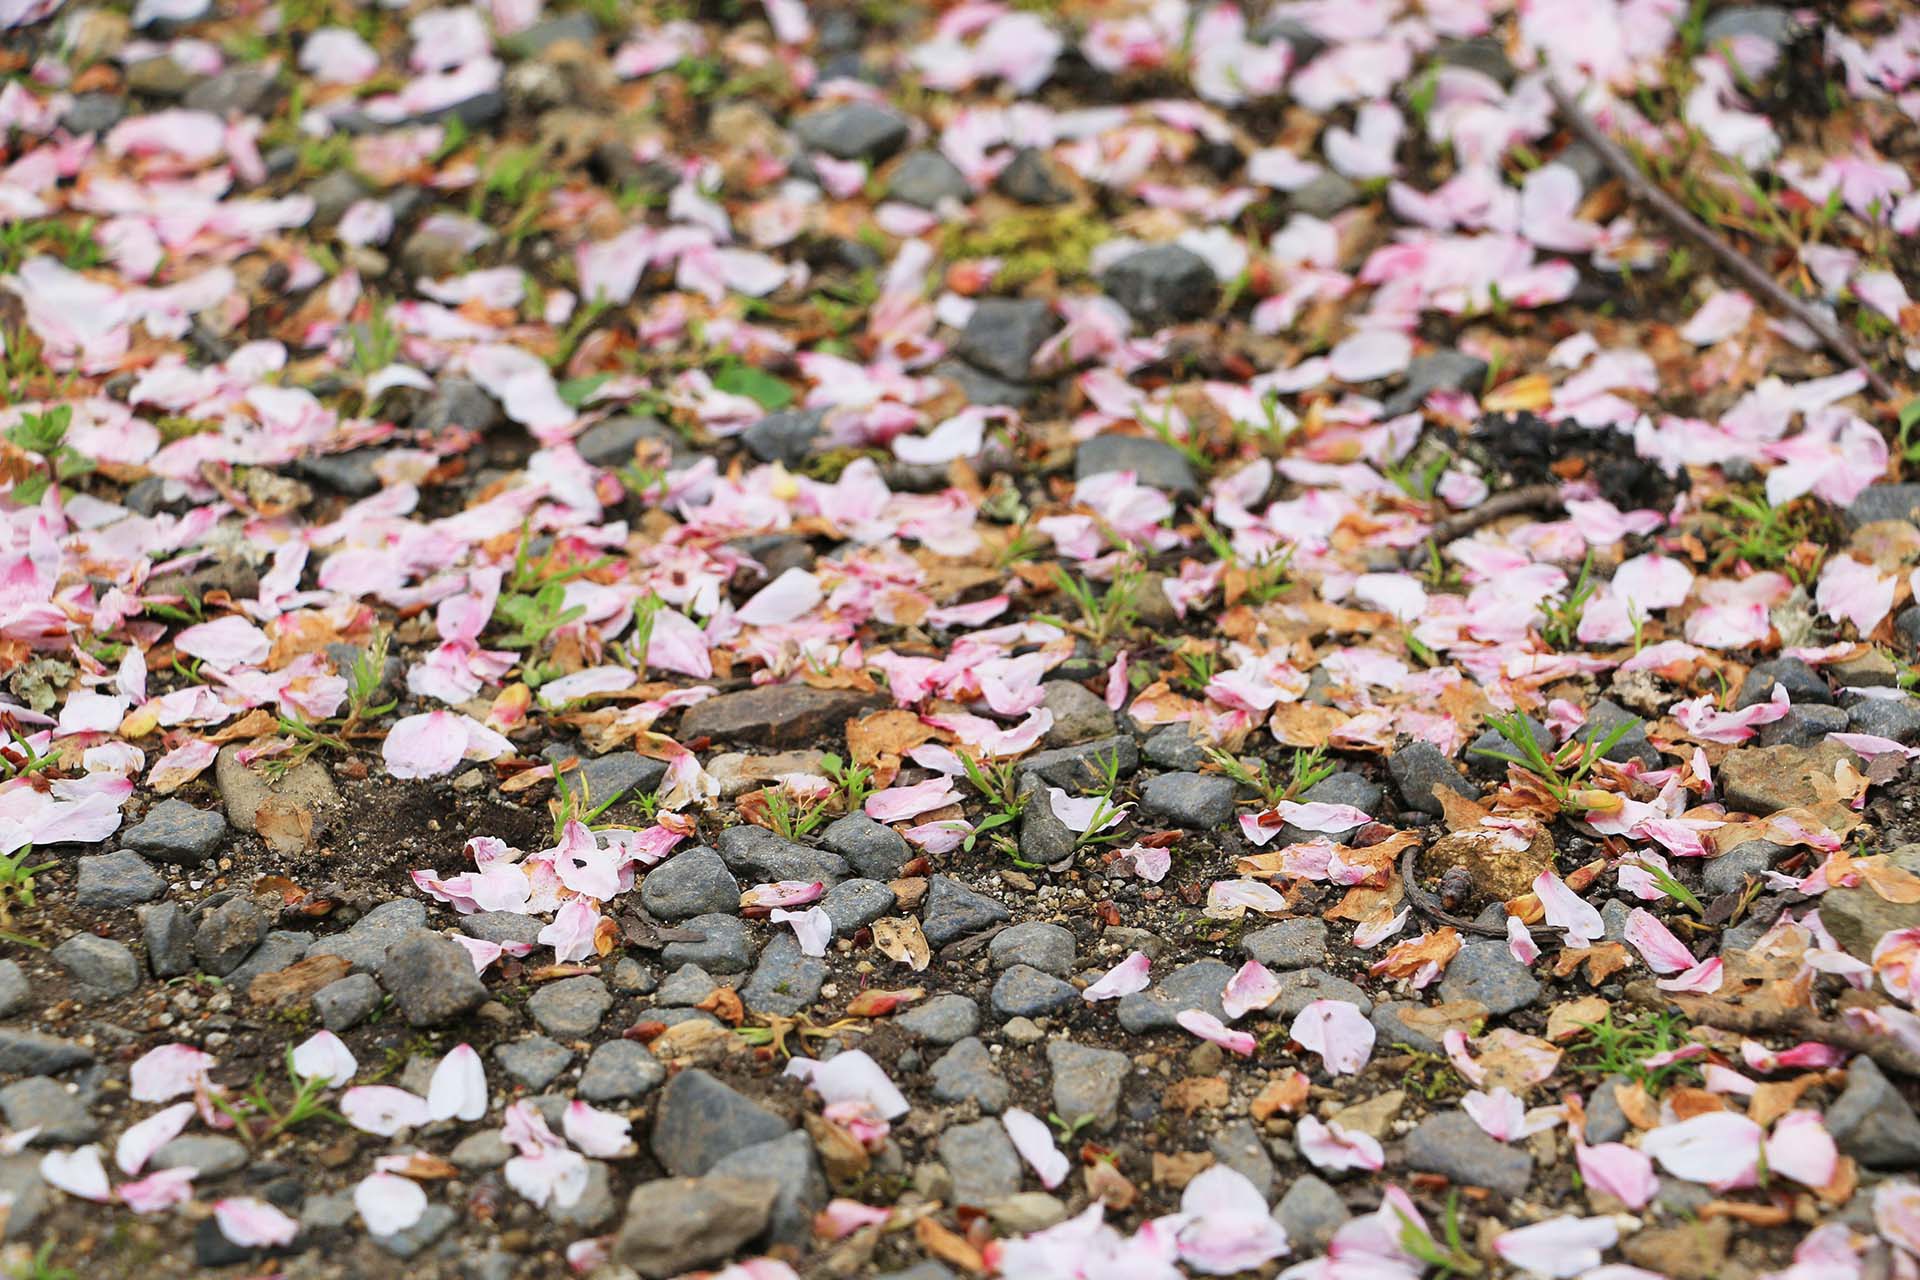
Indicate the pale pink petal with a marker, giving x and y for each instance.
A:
(1207, 1027)
(1338, 1032)
(1620, 1171)
(1704, 979)
(1718, 1147)
(1568, 910)
(1656, 944)
(159, 1190)
(383, 1110)
(1520, 941)
(601, 1134)
(163, 1074)
(1558, 1247)
(137, 1145)
(813, 927)
(1329, 1146)
(78, 1173)
(1801, 1148)
(425, 746)
(851, 1076)
(254, 1224)
(324, 1056)
(1228, 1229)
(225, 643)
(459, 1086)
(1125, 978)
(1252, 987)
(388, 1203)
(1032, 1139)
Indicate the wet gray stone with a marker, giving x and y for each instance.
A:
(873, 849)
(1605, 717)
(347, 1003)
(1162, 284)
(692, 882)
(431, 979)
(571, 1009)
(1324, 195)
(1804, 726)
(227, 934)
(1417, 768)
(174, 831)
(365, 945)
(982, 1161)
(761, 855)
(35, 1053)
(1079, 715)
(1153, 463)
(595, 1207)
(726, 945)
(926, 178)
(944, 1019)
(100, 967)
(1201, 801)
(689, 984)
(44, 1103)
(534, 1062)
(1086, 1081)
(503, 926)
(1606, 1122)
(966, 1073)
(1443, 370)
(115, 880)
(1301, 987)
(1172, 747)
(1728, 872)
(1451, 1144)
(1238, 1146)
(15, 992)
(1803, 684)
(699, 1120)
(276, 951)
(786, 980)
(1025, 992)
(434, 1223)
(953, 911)
(983, 388)
(1485, 970)
(1289, 944)
(1081, 767)
(1311, 1211)
(1871, 1121)
(1032, 179)
(1003, 335)
(1199, 985)
(167, 931)
(1035, 943)
(619, 1070)
(212, 1154)
(854, 904)
(786, 437)
(1483, 765)
(790, 1161)
(1895, 718)
(853, 131)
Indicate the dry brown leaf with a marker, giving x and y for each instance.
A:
(1688, 1102)
(841, 1154)
(1175, 1170)
(1459, 812)
(875, 1003)
(1515, 1061)
(1602, 961)
(1637, 1105)
(1530, 392)
(1409, 958)
(899, 939)
(1565, 1020)
(296, 983)
(886, 734)
(1895, 884)
(1196, 1093)
(285, 826)
(948, 1246)
(1305, 724)
(1774, 1098)
(1755, 1215)
(1285, 1094)
(724, 1004)
(695, 1041)
(1110, 1187)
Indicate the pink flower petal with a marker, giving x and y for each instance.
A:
(1252, 987)
(1338, 1032)
(1207, 1027)
(597, 1133)
(388, 1203)
(1125, 978)
(254, 1224)
(458, 1089)
(1558, 1247)
(1568, 910)
(383, 1110)
(324, 1056)
(1329, 1146)
(1620, 1171)
(1034, 1141)
(1718, 1147)
(137, 1145)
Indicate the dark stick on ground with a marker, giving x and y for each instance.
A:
(1532, 497)
(1754, 1020)
(1744, 269)
(1429, 906)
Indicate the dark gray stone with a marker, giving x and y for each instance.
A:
(1606, 1122)
(785, 437)
(280, 948)
(981, 1158)
(1153, 463)
(1451, 1144)
(690, 883)
(871, 848)
(212, 1154)
(534, 1062)
(1025, 992)
(1080, 767)
(944, 1019)
(1804, 726)
(1290, 944)
(35, 1053)
(1776, 25)
(1032, 179)
(431, 979)
(758, 853)
(1162, 284)
(15, 992)
(227, 935)
(1035, 943)
(786, 980)
(853, 131)
(174, 831)
(1484, 765)
(726, 945)
(502, 926)
(611, 443)
(1202, 801)
(347, 1003)
(242, 89)
(701, 1120)
(1172, 747)
(93, 113)
(1885, 502)
(1044, 838)
(674, 1225)
(1390, 1028)
(571, 1009)
(434, 1223)
(1324, 195)
(626, 774)
(1605, 717)
(114, 880)
(966, 1073)
(1199, 985)
(167, 931)
(953, 911)
(1301, 987)
(46, 1104)
(1087, 1081)
(571, 28)
(689, 984)
(100, 967)
(1310, 1211)
(926, 178)
(1443, 370)
(365, 945)
(1003, 334)
(458, 402)
(983, 388)
(351, 473)
(619, 1070)
(852, 905)
(1417, 768)
(1485, 970)
(790, 1161)
(1871, 1121)
(1803, 684)
(1895, 718)
(1239, 1147)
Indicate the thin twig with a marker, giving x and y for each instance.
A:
(1429, 905)
(1730, 1015)
(1744, 269)
(1532, 497)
